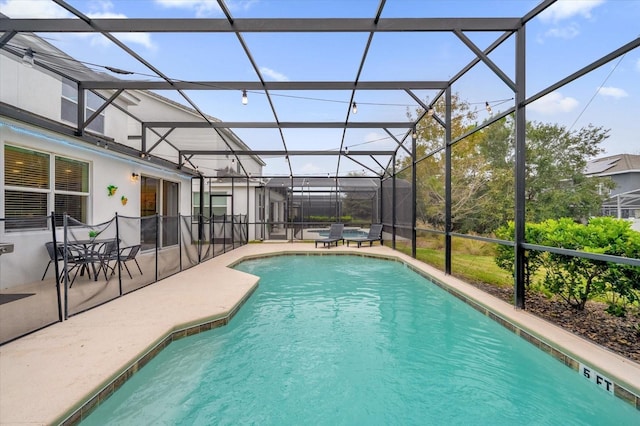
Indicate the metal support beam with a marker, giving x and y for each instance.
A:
(281, 153)
(488, 62)
(520, 172)
(257, 86)
(260, 25)
(448, 226)
(279, 125)
(414, 192)
(393, 202)
(82, 101)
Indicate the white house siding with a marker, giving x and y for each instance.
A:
(39, 92)
(29, 88)
(106, 168)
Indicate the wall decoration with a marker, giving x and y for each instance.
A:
(124, 200)
(111, 190)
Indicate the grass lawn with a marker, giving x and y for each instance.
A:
(472, 267)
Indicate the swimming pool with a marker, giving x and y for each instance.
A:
(347, 233)
(354, 340)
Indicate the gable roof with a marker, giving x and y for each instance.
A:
(613, 165)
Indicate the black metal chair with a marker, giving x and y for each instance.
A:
(124, 255)
(82, 257)
(54, 256)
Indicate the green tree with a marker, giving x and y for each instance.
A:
(555, 184)
(359, 203)
(483, 172)
(469, 172)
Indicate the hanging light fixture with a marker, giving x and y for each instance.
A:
(414, 134)
(27, 59)
(245, 100)
(488, 107)
(354, 108)
(430, 111)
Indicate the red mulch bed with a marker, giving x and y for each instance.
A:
(619, 335)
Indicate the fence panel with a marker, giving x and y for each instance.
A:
(189, 243)
(46, 276)
(138, 261)
(86, 271)
(169, 253)
(29, 291)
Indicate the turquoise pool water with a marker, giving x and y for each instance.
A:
(347, 233)
(347, 340)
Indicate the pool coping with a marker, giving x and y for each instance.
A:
(105, 390)
(26, 363)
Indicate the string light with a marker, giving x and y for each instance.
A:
(28, 57)
(488, 107)
(354, 108)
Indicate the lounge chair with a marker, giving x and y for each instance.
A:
(335, 235)
(375, 234)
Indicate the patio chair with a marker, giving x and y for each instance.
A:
(126, 254)
(82, 257)
(375, 234)
(54, 256)
(335, 236)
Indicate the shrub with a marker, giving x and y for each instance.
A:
(576, 279)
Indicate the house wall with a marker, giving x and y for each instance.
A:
(106, 168)
(626, 182)
(39, 92)
(29, 88)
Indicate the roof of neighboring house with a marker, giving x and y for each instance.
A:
(613, 165)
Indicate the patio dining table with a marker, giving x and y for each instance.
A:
(84, 253)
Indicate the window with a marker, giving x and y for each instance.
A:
(195, 202)
(219, 203)
(69, 106)
(71, 189)
(37, 182)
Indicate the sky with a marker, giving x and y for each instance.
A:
(566, 37)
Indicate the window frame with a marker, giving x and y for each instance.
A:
(51, 190)
(98, 124)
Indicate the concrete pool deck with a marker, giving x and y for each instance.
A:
(47, 376)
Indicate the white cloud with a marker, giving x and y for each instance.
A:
(47, 9)
(143, 39)
(32, 9)
(613, 92)
(570, 31)
(274, 75)
(205, 8)
(565, 9)
(554, 103)
(201, 8)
